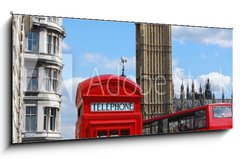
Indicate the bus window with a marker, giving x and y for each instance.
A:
(200, 119)
(173, 126)
(222, 112)
(165, 126)
(155, 127)
(186, 123)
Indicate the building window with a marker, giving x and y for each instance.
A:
(55, 80)
(51, 80)
(49, 119)
(33, 41)
(49, 44)
(52, 44)
(55, 45)
(47, 79)
(54, 19)
(32, 79)
(31, 119)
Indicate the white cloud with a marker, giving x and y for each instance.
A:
(203, 56)
(102, 61)
(218, 81)
(208, 36)
(65, 46)
(68, 109)
(131, 77)
(69, 88)
(68, 131)
(174, 63)
(179, 77)
(131, 63)
(94, 57)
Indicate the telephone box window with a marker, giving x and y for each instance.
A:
(113, 133)
(102, 133)
(125, 132)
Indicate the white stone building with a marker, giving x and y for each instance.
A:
(20, 27)
(42, 80)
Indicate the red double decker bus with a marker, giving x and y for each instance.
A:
(217, 116)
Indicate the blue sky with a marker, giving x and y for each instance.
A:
(95, 47)
(201, 59)
(202, 53)
(97, 43)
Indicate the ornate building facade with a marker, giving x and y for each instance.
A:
(20, 27)
(194, 98)
(154, 68)
(42, 80)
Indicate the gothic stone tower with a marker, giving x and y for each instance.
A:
(154, 68)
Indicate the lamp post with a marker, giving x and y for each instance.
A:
(123, 60)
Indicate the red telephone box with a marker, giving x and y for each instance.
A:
(108, 106)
